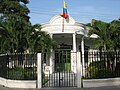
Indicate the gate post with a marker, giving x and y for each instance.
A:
(79, 78)
(39, 71)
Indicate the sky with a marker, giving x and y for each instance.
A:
(83, 11)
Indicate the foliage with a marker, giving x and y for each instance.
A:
(12, 35)
(98, 70)
(109, 34)
(39, 41)
(16, 32)
(115, 34)
(17, 7)
(45, 79)
(102, 30)
(22, 74)
(14, 20)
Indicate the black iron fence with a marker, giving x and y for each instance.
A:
(59, 79)
(101, 64)
(97, 64)
(61, 74)
(18, 66)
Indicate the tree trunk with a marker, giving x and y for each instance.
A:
(106, 54)
(114, 63)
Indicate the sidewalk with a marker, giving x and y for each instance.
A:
(98, 88)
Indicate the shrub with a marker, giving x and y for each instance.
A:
(22, 74)
(98, 70)
(16, 74)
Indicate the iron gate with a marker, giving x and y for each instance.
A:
(62, 75)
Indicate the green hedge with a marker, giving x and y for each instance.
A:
(95, 72)
(22, 74)
(99, 70)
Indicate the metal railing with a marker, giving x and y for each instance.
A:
(101, 64)
(62, 74)
(59, 79)
(18, 66)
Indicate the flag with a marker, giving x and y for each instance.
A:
(65, 15)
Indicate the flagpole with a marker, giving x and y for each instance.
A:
(63, 25)
(63, 19)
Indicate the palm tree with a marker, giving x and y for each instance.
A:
(19, 38)
(109, 37)
(115, 37)
(13, 19)
(39, 41)
(103, 42)
(115, 33)
(10, 34)
(102, 30)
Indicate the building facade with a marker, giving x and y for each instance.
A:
(70, 36)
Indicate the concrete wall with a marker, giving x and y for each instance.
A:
(101, 82)
(86, 83)
(17, 83)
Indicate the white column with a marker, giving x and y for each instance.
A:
(73, 55)
(39, 71)
(74, 42)
(51, 59)
(79, 77)
(83, 59)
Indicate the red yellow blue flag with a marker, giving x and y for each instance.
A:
(65, 15)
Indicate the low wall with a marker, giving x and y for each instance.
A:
(18, 83)
(86, 83)
(101, 82)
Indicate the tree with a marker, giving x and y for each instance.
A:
(17, 7)
(18, 35)
(115, 33)
(39, 41)
(109, 34)
(109, 38)
(14, 20)
(101, 29)
(115, 37)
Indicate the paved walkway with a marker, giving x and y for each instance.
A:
(98, 88)
(62, 79)
(63, 76)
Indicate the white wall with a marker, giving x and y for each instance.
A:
(18, 83)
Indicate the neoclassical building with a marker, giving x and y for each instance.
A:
(69, 35)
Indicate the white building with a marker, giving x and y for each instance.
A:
(68, 34)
